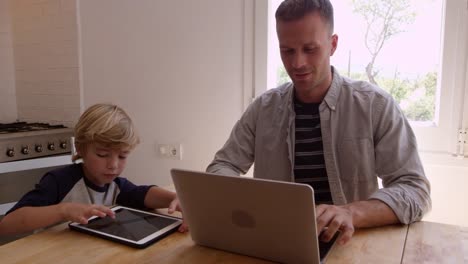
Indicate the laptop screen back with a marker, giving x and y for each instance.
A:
(260, 218)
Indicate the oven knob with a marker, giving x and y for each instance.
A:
(63, 144)
(25, 150)
(38, 148)
(10, 152)
(51, 146)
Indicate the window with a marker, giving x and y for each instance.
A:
(421, 60)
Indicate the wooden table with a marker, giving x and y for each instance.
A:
(422, 242)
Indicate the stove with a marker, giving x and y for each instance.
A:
(22, 141)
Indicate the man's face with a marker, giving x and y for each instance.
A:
(306, 45)
(103, 164)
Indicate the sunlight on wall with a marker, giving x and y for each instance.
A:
(449, 194)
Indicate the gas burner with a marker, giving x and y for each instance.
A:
(26, 127)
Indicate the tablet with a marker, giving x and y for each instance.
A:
(131, 227)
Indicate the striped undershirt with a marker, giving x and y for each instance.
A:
(309, 163)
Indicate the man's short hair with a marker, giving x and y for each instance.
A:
(290, 10)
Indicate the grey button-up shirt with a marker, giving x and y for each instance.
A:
(365, 135)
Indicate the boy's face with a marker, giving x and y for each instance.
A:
(103, 164)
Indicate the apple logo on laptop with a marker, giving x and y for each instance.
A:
(243, 219)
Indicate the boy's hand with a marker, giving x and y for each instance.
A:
(175, 206)
(80, 213)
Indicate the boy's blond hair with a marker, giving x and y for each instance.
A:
(105, 124)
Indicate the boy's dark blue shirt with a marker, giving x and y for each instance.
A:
(68, 184)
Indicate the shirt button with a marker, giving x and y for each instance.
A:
(332, 107)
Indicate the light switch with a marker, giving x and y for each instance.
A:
(170, 151)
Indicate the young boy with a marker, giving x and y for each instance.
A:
(104, 137)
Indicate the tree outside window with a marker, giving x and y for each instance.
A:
(394, 44)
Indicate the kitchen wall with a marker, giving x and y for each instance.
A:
(46, 60)
(175, 66)
(448, 177)
(8, 111)
(448, 192)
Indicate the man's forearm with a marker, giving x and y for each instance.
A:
(222, 168)
(371, 213)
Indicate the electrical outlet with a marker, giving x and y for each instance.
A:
(170, 151)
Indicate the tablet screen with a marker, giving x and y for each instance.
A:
(129, 224)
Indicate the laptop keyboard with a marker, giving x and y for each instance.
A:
(324, 247)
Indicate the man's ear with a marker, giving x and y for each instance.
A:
(334, 43)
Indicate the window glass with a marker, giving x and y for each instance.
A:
(395, 44)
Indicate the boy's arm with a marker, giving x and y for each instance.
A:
(157, 197)
(26, 219)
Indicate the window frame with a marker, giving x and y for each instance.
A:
(453, 78)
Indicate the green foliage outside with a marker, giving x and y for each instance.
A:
(415, 97)
(283, 76)
(385, 19)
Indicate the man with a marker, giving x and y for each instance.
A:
(336, 134)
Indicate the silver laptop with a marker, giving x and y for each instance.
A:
(266, 219)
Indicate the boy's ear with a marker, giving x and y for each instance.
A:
(80, 150)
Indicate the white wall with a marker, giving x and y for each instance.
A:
(175, 66)
(46, 60)
(449, 182)
(449, 194)
(8, 111)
